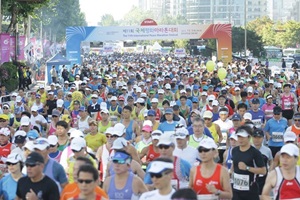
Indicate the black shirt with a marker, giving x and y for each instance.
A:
(46, 189)
(52, 105)
(93, 109)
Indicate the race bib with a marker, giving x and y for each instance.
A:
(241, 182)
(207, 197)
(287, 105)
(257, 123)
(277, 136)
(223, 142)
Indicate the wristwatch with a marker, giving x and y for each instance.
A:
(247, 168)
(218, 193)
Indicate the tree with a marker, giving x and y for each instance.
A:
(254, 41)
(107, 20)
(135, 17)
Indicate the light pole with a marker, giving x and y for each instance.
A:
(245, 21)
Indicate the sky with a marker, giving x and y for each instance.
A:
(94, 9)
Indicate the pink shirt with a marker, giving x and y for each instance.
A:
(268, 110)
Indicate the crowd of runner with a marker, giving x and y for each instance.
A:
(135, 126)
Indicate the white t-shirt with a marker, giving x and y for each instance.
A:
(154, 195)
(190, 154)
(37, 118)
(224, 126)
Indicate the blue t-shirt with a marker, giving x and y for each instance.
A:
(276, 130)
(189, 103)
(58, 171)
(258, 118)
(8, 187)
(165, 126)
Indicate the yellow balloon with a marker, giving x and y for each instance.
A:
(169, 59)
(222, 73)
(210, 66)
(163, 59)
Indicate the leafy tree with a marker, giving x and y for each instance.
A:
(135, 17)
(107, 20)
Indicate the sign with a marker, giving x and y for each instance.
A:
(180, 52)
(108, 50)
(148, 22)
(220, 32)
(5, 47)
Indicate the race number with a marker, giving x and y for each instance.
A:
(241, 182)
(277, 136)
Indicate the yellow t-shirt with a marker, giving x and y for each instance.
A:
(214, 132)
(71, 162)
(95, 141)
(43, 98)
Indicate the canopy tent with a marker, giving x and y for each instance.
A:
(57, 60)
(156, 47)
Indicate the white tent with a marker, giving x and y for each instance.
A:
(156, 47)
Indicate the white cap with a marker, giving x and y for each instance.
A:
(207, 114)
(78, 143)
(160, 91)
(13, 158)
(114, 98)
(155, 135)
(143, 94)
(52, 84)
(59, 103)
(109, 130)
(41, 144)
(182, 91)
(14, 94)
(138, 89)
(242, 133)
(168, 86)
(204, 94)
(248, 116)
(119, 129)
(18, 99)
(154, 100)
(114, 75)
(51, 93)
(271, 81)
(66, 82)
(42, 87)
(147, 123)
(208, 143)
(5, 131)
(29, 145)
(181, 133)
(52, 139)
(160, 166)
(94, 96)
(25, 121)
(250, 89)
(289, 136)
(103, 105)
(104, 111)
(233, 136)
(237, 89)
(215, 103)
(140, 100)
(20, 133)
(211, 97)
(75, 133)
(290, 149)
(119, 143)
(34, 108)
(166, 139)
(197, 112)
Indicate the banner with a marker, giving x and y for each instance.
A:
(5, 47)
(13, 47)
(108, 50)
(180, 52)
(21, 47)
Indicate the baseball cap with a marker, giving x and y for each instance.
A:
(42, 87)
(119, 143)
(236, 117)
(168, 86)
(169, 111)
(41, 144)
(138, 89)
(248, 116)
(147, 128)
(34, 158)
(195, 100)
(60, 103)
(166, 139)
(140, 100)
(181, 133)
(18, 99)
(104, 111)
(119, 129)
(211, 97)
(277, 110)
(144, 95)
(113, 98)
(156, 134)
(94, 96)
(233, 136)
(237, 89)
(50, 93)
(121, 98)
(4, 116)
(25, 121)
(20, 136)
(197, 112)
(204, 94)
(258, 133)
(290, 149)
(208, 143)
(154, 100)
(255, 101)
(34, 108)
(196, 87)
(74, 133)
(159, 166)
(5, 131)
(215, 103)
(151, 113)
(13, 158)
(160, 91)
(121, 158)
(182, 91)
(289, 136)
(250, 89)
(242, 133)
(109, 130)
(78, 143)
(296, 116)
(5, 106)
(55, 113)
(148, 122)
(207, 114)
(33, 134)
(28, 145)
(52, 139)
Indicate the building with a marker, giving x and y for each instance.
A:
(282, 10)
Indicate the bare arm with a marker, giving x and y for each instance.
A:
(191, 181)
(275, 162)
(137, 169)
(136, 129)
(224, 158)
(106, 184)
(225, 182)
(139, 186)
(219, 133)
(269, 184)
(143, 152)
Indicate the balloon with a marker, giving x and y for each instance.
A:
(163, 59)
(169, 59)
(222, 73)
(210, 66)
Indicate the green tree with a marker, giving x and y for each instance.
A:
(107, 20)
(135, 17)
(254, 42)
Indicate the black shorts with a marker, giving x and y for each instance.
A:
(288, 114)
(252, 194)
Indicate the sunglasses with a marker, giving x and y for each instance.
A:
(8, 163)
(158, 175)
(31, 165)
(163, 146)
(200, 150)
(297, 120)
(75, 151)
(51, 145)
(119, 161)
(54, 116)
(87, 181)
(112, 136)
